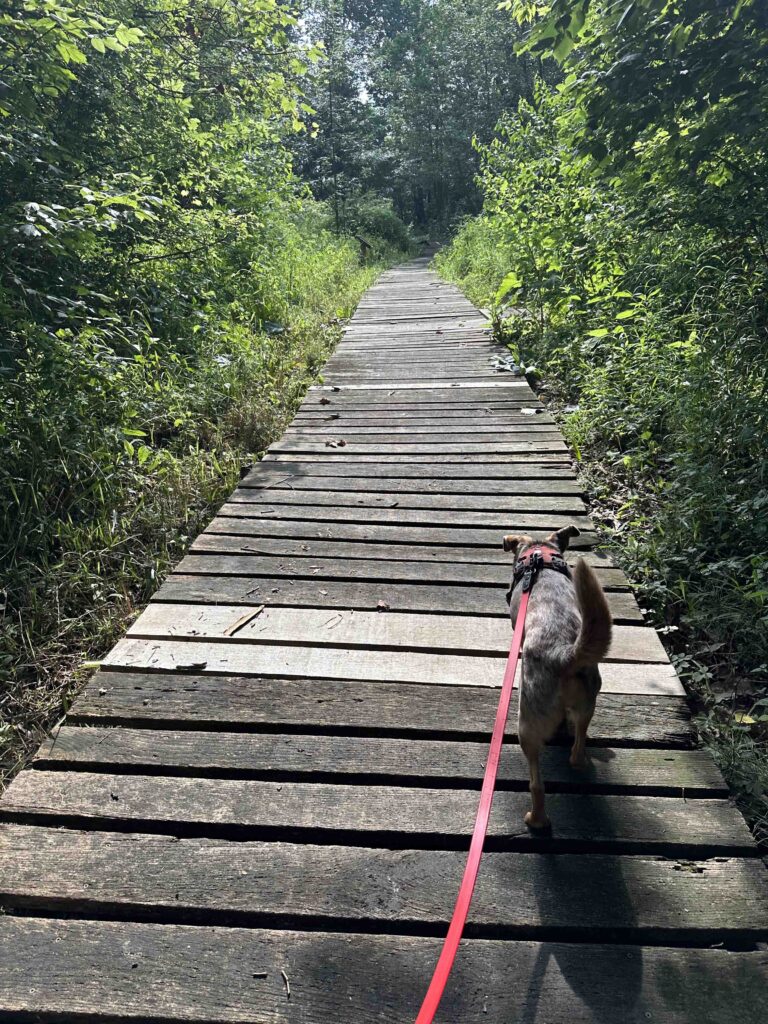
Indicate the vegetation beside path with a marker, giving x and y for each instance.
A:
(622, 246)
(168, 290)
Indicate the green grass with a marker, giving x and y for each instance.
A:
(109, 479)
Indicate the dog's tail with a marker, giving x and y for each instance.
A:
(595, 633)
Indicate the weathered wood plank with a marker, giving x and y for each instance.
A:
(382, 433)
(422, 420)
(482, 391)
(234, 521)
(468, 634)
(312, 704)
(455, 458)
(389, 813)
(527, 443)
(266, 478)
(209, 561)
(403, 401)
(540, 503)
(489, 474)
(330, 548)
(689, 773)
(402, 597)
(524, 521)
(643, 897)
(398, 666)
(114, 971)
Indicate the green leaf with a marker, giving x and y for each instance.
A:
(626, 314)
(98, 44)
(510, 283)
(601, 332)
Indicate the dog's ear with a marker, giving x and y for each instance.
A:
(512, 542)
(563, 537)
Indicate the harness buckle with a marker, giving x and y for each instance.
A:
(534, 565)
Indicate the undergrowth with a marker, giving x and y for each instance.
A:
(649, 328)
(113, 464)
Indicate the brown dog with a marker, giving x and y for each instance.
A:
(567, 632)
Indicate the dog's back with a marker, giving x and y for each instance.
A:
(567, 632)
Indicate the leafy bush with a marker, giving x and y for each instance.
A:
(166, 295)
(651, 322)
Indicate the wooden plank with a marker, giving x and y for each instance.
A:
(526, 443)
(375, 532)
(421, 419)
(512, 475)
(388, 814)
(265, 478)
(644, 898)
(487, 389)
(252, 563)
(689, 773)
(153, 972)
(349, 456)
(313, 704)
(331, 548)
(401, 666)
(467, 634)
(460, 432)
(538, 503)
(394, 400)
(526, 522)
(287, 592)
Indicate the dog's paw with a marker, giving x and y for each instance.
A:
(541, 824)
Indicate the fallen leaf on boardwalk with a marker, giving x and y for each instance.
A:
(382, 606)
(334, 621)
(193, 666)
(325, 401)
(243, 621)
(324, 593)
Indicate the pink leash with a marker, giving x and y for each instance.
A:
(463, 900)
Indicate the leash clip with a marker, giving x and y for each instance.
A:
(533, 567)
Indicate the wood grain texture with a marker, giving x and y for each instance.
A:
(687, 773)
(344, 628)
(500, 521)
(401, 666)
(222, 555)
(234, 520)
(159, 974)
(262, 882)
(509, 490)
(537, 504)
(290, 592)
(314, 704)
(387, 815)
(373, 595)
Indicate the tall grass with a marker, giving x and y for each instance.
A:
(113, 461)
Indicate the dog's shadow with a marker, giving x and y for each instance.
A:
(586, 894)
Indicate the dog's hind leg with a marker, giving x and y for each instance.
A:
(581, 720)
(532, 745)
(580, 697)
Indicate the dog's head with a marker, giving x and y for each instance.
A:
(518, 543)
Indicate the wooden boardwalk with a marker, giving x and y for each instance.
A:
(258, 809)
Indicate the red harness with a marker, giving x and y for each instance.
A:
(538, 557)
